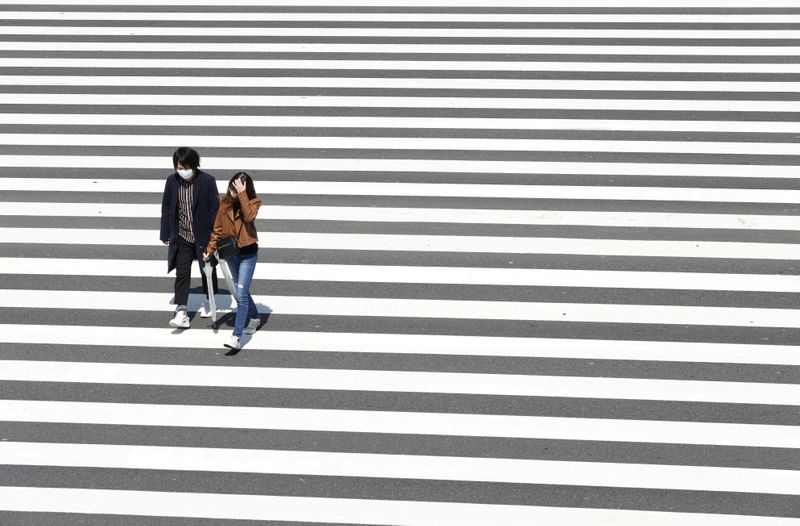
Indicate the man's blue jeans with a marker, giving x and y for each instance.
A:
(242, 268)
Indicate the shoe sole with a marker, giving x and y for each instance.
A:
(231, 347)
(177, 326)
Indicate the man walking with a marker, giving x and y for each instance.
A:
(188, 209)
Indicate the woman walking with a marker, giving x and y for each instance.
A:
(236, 219)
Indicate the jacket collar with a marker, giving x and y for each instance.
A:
(229, 212)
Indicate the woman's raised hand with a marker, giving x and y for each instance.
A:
(239, 186)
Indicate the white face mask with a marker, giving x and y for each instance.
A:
(186, 174)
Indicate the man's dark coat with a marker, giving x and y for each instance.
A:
(205, 203)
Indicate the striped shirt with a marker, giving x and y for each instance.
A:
(185, 229)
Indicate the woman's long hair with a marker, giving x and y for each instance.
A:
(249, 187)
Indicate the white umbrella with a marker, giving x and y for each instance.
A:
(212, 300)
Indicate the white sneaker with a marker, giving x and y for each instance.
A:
(252, 326)
(205, 310)
(234, 343)
(181, 320)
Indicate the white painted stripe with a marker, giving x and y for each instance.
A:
(486, 168)
(419, 467)
(355, 421)
(352, 511)
(211, 31)
(416, 65)
(433, 215)
(487, 191)
(651, 18)
(421, 344)
(330, 47)
(402, 83)
(82, 210)
(534, 217)
(399, 102)
(429, 243)
(401, 381)
(46, 184)
(420, 308)
(400, 143)
(521, 277)
(296, 121)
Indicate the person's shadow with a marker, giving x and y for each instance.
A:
(225, 319)
(228, 319)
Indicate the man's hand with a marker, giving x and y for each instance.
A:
(165, 242)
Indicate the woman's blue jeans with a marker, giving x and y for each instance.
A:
(242, 269)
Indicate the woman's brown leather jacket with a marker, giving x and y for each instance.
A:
(243, 222)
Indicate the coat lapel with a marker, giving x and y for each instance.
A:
(195, 193)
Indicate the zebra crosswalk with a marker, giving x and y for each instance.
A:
(521, 262)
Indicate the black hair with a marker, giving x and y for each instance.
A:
(249, 188)
(187, 157)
